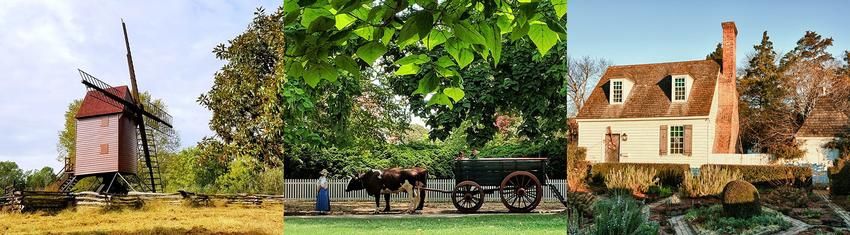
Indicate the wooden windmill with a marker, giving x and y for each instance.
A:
(115, 131)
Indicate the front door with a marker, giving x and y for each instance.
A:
(612, 144)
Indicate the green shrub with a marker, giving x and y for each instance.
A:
(772, 175)
(667, 174)
(710, 181)
(839, 177)
(620, 214)
(271, 181)
(711, 218)
(633, 179)
(741, 199)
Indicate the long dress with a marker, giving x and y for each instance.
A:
(323, 199)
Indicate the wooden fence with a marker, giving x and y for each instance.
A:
(35, 200)
(305, 189)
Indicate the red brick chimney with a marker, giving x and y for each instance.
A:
(726, 132)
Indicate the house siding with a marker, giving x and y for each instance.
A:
(642, 145)
(127, 156)
(90, 136)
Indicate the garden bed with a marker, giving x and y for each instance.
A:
(842, 201)
(802, 205)
(710, 220)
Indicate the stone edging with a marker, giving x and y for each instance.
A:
(837, 209)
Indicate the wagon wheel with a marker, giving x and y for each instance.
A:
(521, 191)
(468, 196)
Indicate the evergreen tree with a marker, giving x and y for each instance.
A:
(717, 54)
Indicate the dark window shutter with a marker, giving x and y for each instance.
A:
(688, 139)
(662, 142)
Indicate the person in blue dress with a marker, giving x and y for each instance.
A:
(323, 199)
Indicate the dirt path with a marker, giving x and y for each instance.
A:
(838, 210)
(306, 208)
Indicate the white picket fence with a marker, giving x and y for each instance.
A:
(305, 189)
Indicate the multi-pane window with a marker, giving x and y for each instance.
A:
(679, 89)
(617, 91)
(677, 139)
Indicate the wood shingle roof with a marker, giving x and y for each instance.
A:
(650, 96)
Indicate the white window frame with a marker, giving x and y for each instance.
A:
(684, 87)
(613, 91)
(676, 148)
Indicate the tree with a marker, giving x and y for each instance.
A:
(68, 136)
(523, 85)
(245, 96)
(811, 70)
(39, 179)
(717, 54)
(766, 123)
(10, 175)
(324, 31)
(582, 77)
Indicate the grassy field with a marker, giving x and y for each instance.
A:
(151, 219)
(466, 225)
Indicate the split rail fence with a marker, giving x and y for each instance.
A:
(305, 189)
(37, 200)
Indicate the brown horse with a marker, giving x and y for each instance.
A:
(391, 181)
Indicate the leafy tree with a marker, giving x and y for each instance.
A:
(525, 84)
(68, 136)
(766, 123)
(180, 170)
(717, 54)
(246, 92)
(10, 175)
(810, 70)
(323, 34)
(39, 179)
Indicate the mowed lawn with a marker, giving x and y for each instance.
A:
(413, 224)
(151, 219)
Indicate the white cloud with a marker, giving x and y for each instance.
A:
(42, 43)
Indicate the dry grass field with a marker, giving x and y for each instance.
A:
(152, 218)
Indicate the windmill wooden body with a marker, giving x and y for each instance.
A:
(115, 143)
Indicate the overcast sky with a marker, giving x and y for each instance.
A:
(42, 43)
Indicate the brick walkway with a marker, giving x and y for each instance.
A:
(838, 210)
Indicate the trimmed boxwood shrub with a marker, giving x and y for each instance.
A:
(741, 199)
(772, 175)
(839, 178)
(667, 174)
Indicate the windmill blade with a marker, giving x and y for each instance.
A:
(105, 92)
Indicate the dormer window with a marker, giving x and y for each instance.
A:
(680, 86)
(617, 92)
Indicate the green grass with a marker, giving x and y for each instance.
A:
(467, 225)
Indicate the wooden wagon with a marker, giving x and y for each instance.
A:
(519, 182)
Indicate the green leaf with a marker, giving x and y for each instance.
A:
(361, 12)
(455, 93)
(348, 64)
(440, 98)
(560, 7)
(542, 37)
(294, 70)
(494, 41)
(468, 33)
(316, 72)
(416, 27)
(414, 59)
(371, 52)
(465, 58)
(388, 35)
(407, 70)
(365, 32)
(447, 72)
(435, 38)
(519, 32)
(427, 84)
(344, 20)
(311, 14)
(445, 62)
(290, 6)
(505, 21)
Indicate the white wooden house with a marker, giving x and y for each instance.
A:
(677, 112)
